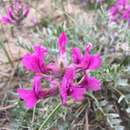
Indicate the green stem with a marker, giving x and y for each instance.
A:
(48, 118)
(33, 116)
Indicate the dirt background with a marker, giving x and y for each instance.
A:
(42, 9)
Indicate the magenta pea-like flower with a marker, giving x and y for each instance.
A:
(35, 61)
(126, 15)
(69, 87)
(16, 13)
(122, 3)
(120, 11)
(86, 61)
(62, 42)
(31, 96)
(71, 79)
(61, 62)
(91, 83)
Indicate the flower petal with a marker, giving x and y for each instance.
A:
(78, 93)
(5, 20)
(28, 96)
(40, 50)
(95, 62)
(31, 62)
(66, 84)
(26, 11)
(35, 61)
(76, 55)
(37, 87)
(62, 41)
(91, 83)
(89, 48)
(10, 14)
(122, 2)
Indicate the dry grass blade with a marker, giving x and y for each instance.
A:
(86, 125)
(8, 107)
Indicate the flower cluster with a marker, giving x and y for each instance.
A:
(120, 11)
(70, 80)
(16, 13)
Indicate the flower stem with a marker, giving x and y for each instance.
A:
(48, 118)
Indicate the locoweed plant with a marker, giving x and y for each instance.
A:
(70, 79)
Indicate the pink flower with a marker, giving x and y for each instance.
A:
(120, 11)
(32, 96)
(91, 83)
(59, 65)
(76, 55)
(8, 19)
(86, 61)
(122, 3)
(35, 61)
(91, 62)
(62, 41)
(113, 13)
(70, 80)
(16, 12)
(126, 15)
(69, 88)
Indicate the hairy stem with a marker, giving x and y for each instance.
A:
(48, 118)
